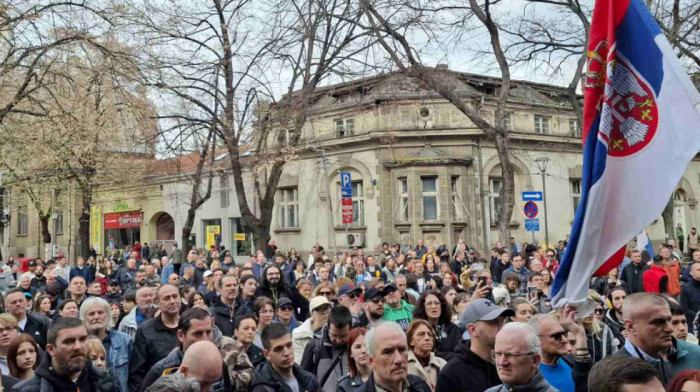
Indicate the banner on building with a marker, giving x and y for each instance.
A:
(212, 232)
(95, 226)
(123, 220)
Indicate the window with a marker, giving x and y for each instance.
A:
(457, 205)
(358, 204)
(403, 199)
(573, 127)
(289, 208)
(541, 124)
(223, 191)
(429, 193)
(496, 205)
(508, 121)
(575, 193)
(58, 224)
(22, 221)
(345, 127)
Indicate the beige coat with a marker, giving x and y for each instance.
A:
(428, 374)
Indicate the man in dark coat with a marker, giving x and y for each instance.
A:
(30, 323)
(65, 366)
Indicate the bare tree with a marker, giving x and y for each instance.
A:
(447, 84)
(229, 65)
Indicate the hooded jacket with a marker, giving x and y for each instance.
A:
(301, 336)
(466, 371)
(91, 379)
(266, 379)
(537, 384)
(616, 327)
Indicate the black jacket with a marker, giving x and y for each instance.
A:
(301, 304)
(690, 301)
(615, 326)
(349, 384)
(153, 342)
(325, 360)
(8, 382)
(222, 315)
(415, 384)
(466, 371)
(580, 371)
(266, 379)
(92, 379)
(37, 326)
(632, 276)
(448, 338)
(256, 356)
(163, 367)
(663, 367)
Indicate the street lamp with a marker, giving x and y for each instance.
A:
(542, 163)
(330, 223)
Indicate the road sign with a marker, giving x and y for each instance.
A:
(532, 196)
(532, 224)
(347, 214)
(531, 209)
(345, 184)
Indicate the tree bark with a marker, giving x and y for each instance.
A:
(667, 214)
(84, 224)
(45, 232)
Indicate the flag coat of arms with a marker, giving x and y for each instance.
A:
(641, 128)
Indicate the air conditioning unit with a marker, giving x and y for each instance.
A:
(356, 240)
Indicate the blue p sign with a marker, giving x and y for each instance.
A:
(345, 184)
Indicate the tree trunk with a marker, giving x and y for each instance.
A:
(45, 233)
(508, 190)
(84, 225)
(187, 230)
(667, 214)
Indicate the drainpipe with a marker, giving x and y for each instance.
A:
(484, 227)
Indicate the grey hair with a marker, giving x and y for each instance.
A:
(369, 337)
(97, 301)
(534, 321)
(525, 331)
(175, 382)
(399, 276)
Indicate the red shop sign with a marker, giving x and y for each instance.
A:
(123, 220)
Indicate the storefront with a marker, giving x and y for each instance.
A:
(122, 229)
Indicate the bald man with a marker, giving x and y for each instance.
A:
(647, 318)
(203, 362)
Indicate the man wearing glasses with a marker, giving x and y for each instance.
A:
(560, 371)
(471, 368)
(518, 354)
(373, 308)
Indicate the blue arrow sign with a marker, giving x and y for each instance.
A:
(532, 224)
(532, 196)
(345, 184)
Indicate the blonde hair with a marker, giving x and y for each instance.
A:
(93, 347)
(7, 320)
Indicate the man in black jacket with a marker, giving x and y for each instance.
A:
(633, 272)
(387, 352)
(272, 285)
(227, 307)
(280, 373)
(30, 323)
(65, 366)
(471, 368)
(156, 337)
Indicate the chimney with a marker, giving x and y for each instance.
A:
(442, 67)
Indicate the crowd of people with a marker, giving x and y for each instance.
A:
(390, 320)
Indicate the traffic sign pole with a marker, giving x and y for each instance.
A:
(347, 211)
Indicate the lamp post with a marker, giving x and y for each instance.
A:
(542, 163)
(329, 217)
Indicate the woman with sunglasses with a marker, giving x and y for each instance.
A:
(601, 340)
(320, 309)
(357, 362)
(432, 307)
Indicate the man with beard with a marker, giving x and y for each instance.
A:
(273, 286)
(613, 317)
(374, 308)
(156, 337)
(326, 357)
(39, 280)
(65, 366)
(227, 307)
(97, 316)
(114, 291)
(397, 309)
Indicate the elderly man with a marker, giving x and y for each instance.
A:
(647, 319)
(143, 310)
(518, 354)
(97, 316)
(559, 371)
(387, 352)
(200, 369)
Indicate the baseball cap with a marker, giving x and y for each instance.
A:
(483, 310)
(317, 302)
(373, 293)
(390, 288)
(114, 282)
(283, 301)
(32, 264)
(347, 289)
(207, 273)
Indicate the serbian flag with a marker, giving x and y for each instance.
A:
(641, 128)
(644, 243)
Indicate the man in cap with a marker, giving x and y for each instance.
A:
(395, 308)
(284, 313)
(471, 369)
(349, 296)
(373, 308)
(114, 291)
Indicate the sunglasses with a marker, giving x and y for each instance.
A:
(351, 296)
(286, 308)
(325, 293)
(558, 335)
(599, 311)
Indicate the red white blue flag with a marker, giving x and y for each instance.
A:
(641, 128)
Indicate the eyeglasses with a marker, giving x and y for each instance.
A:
(599, 311)
(325, 293)
(286, 308)
(323, 309)
(8, 329)
(508, 356)
(557, 335)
